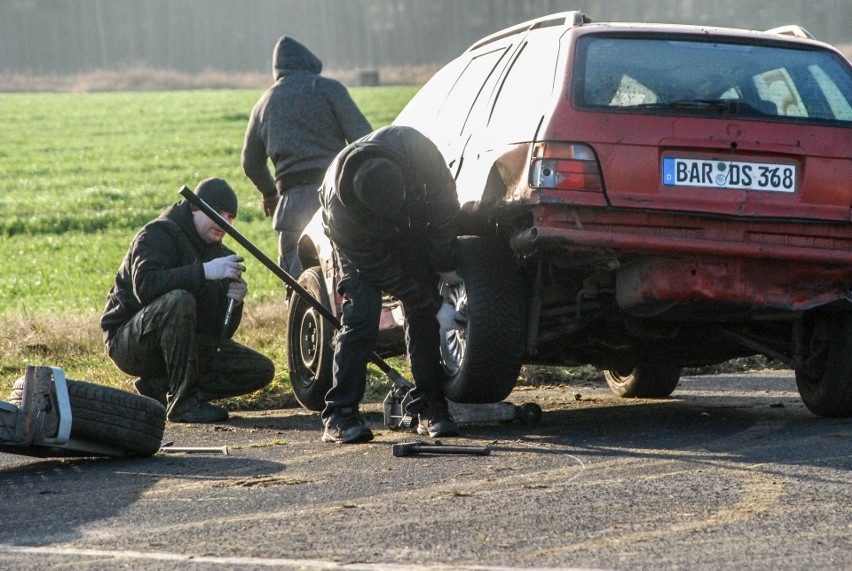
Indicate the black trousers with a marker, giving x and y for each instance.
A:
(160, 342)
(356, 339)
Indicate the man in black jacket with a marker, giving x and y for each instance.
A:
(300, 123)
(390, 209)
(164, 315)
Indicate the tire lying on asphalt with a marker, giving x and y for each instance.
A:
(309, 351)
(643, 381)
(120, 420)
(825, 380)
(483, 361)
(117, 418)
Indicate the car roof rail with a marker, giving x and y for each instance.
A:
(793, 30)
(565, 19)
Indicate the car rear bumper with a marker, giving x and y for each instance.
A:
(668, 262)
(717, 289)
(616, 232)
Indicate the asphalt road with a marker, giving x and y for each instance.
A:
(732, 472)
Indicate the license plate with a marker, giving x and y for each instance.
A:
(771, 177)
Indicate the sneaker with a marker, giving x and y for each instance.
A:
(152, 387)
(435, 420)
(202, 411)
(345, 425)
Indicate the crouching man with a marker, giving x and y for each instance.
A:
(165, 312)
(390, 209)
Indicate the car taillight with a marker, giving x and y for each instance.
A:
(565, 166)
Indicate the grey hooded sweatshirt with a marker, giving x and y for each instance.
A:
(301, 122)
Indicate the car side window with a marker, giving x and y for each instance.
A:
(421, 111)
(467, 89)
(524, 93)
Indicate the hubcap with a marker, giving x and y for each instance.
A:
(453, 342)
(309, 340)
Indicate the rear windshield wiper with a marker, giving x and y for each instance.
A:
(725, 107)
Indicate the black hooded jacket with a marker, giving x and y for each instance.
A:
(375, 243)
(301, 122)
(168, 254)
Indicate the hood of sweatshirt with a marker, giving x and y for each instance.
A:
(290, 56)
(351, 161)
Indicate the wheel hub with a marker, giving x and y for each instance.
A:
(309, 339)
(453, 341)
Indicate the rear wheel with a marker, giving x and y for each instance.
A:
(643, 381)
(484, 359)
(309, 351)
(825, 380)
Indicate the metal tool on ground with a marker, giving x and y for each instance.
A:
(226, 322)
(184, 191)
(169, 449)
(416, 448)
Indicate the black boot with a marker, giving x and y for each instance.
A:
(345, 425)
(435, 420)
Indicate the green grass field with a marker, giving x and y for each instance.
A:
(81, 173)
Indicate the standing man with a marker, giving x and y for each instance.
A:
(164, 316)
(390, 209)
(300, 123)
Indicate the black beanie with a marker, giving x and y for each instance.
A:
(218, 194)
(380, 185)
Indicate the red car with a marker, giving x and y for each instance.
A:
(637, 197)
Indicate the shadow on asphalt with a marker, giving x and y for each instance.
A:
(747, 431)
(38, 496)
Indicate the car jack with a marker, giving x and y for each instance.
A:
(397, 399)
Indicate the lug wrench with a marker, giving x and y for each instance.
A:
(415, 448)
(194, 450)
(184, 191)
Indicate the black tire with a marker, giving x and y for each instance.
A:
(309, 350)
(643, 381)
(116, 418)
(483, 360)
(825, 383)
(131, 424)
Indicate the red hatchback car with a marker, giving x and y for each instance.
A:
(641, 198)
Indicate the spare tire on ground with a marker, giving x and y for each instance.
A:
(106, 422)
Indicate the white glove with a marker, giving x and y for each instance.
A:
(238, 290)
(448, 318)
(451, 278)
(224, 268)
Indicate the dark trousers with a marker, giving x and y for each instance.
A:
(356, 340)
(160, 342)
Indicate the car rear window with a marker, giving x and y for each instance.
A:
(674, 76)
